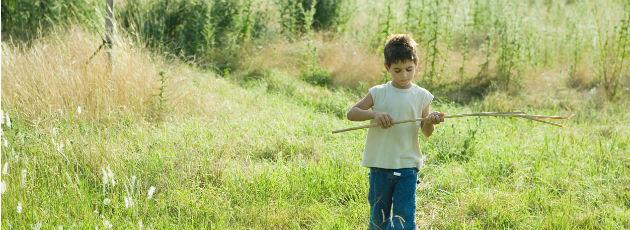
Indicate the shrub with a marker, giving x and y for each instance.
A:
(182, 27)
(317, 76)
(433, 53)
(208, 32)
(24, 20)
(613, 53)
(328, 15)
(508, 59)
(312, 72)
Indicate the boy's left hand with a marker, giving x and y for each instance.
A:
(436, 117)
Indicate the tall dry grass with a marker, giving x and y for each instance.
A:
(349, 63)
(53, 78)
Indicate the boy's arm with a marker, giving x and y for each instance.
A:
(436, 118)
(361, 112)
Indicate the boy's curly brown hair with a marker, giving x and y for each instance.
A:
(400, 47)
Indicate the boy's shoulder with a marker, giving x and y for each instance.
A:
(381, 86)
(419, 89)
(377, 88)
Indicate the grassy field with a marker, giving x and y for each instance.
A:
(226, 124)
(255, 151)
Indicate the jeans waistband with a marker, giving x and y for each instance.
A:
(391, 170)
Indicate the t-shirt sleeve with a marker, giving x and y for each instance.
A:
(427, 98)
(375, 91)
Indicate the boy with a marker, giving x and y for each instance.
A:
(392, 152)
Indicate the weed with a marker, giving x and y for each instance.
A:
(613, 53)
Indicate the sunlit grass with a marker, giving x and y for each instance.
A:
(253, 149)
(279, 167)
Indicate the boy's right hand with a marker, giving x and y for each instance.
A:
(383, 119)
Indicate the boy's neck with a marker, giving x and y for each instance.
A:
(399, 86)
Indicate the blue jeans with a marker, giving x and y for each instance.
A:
(392, 188)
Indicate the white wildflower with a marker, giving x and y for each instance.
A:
(151, 191)
(107, 201)
(140, 225)
(79, 109)
(5, 142)
(5, 169)
(18, 209)
(37, 226)
(104, 178)
(53, 131)
(133, 182)
(110, 175)
(107, 224)
(7, 120)
(23, 179)
(128, 202)
(60, 227)
(3, 187)
(59, 147)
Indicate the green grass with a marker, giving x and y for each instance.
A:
(253, 148)
(263, 157)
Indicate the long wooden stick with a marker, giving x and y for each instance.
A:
(537, 118)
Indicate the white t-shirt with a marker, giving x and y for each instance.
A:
(397, 146)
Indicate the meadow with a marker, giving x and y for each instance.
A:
(226, 124)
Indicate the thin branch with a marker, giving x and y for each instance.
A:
(480, 114)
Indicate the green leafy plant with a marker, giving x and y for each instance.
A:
(25, 20)
(613, 51)
(312, 72)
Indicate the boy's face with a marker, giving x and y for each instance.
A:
(402, 73)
